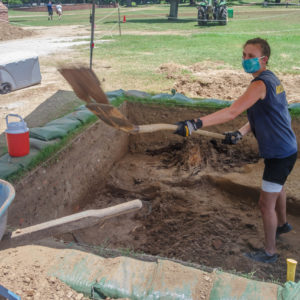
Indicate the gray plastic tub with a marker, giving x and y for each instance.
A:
(7, 195)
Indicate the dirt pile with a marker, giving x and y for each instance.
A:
(216, 80)
(23, 271)
(10, 32)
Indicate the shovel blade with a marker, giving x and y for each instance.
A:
(85, 84)
(111, 116)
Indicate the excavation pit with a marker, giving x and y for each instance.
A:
(200, 196)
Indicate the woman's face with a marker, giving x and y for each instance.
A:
(252, 51)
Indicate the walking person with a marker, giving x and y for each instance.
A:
(59, 10)
(270, 122)
(50, 11)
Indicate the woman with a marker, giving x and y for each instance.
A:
(270, 122)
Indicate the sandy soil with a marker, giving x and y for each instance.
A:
(189, 212)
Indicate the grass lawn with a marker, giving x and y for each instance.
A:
(148, 40)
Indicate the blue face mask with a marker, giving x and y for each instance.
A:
(251, 65)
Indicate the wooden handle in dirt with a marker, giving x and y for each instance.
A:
(158, 127)
(69, 223)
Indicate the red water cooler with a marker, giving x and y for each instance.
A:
(17, 137)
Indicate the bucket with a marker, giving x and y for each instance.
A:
(7, 195)
(230, 12)
(17, 137)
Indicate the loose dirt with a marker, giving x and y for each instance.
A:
(200, 197)
(216, 80)
(9, 32)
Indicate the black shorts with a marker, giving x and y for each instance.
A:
(278, 169)
(50, 12)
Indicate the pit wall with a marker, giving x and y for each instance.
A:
(51, 189)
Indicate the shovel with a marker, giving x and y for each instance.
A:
(85, 84)
(69, 223)
(113, 117)
(87, 87)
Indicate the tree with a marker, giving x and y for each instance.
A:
(173, 9)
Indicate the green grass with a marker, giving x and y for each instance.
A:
(192, 49)
(149, 40)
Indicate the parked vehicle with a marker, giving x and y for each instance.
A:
(212, 11)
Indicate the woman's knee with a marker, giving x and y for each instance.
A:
(267, 202)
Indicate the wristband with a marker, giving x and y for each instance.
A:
(199, 123)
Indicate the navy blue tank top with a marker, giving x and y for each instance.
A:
(270, 120)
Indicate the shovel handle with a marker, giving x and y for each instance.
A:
(69, 223)
(158, 127)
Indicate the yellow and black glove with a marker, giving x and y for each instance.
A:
(185, 128)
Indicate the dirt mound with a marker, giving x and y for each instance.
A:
(216, 80)
(9, 32)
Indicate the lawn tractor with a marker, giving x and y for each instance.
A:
(212, 11)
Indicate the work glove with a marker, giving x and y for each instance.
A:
(232, 137)
(186, 128)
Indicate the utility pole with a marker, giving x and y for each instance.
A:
(119, 19)
(92, 20)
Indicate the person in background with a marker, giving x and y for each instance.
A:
(270, 122)
(59, 10)
(50, 11)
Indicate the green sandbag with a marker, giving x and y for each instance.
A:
(22, 161)
(137, 94)
(114, 94)
(216, 102)
(47, 133)
(290, 291)
(66, 123)
(123, 277)
(231, 287)
(294, 107)
(82, 115)
(180, 98)
(40, 144)
(162, 96)
(7, 169)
